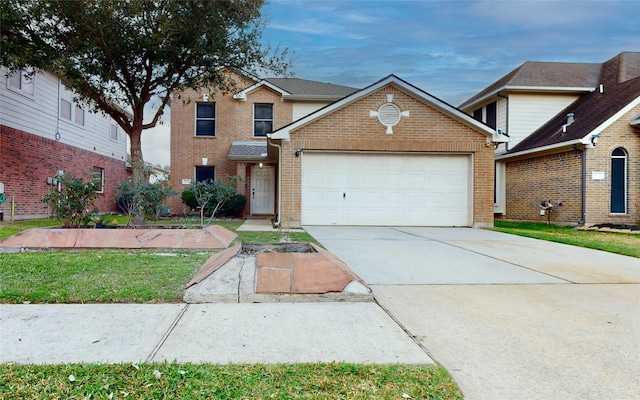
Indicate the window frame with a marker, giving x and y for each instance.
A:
(100, 170)
(262, 120)
(195, 172)
(625, 181)
(29, 81)
(113, 129)
(198, 118)
(74, 108)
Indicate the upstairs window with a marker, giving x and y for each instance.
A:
(619, 181)
(21, 81)
(491, 117)
(69, 110)
(206, 119)
(114, 132)
(487, 114)
(263, 119)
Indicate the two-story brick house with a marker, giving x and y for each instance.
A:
(575, 136)
(214, 134)
(42, 132)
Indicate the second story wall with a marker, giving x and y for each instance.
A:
(44, 107)
(528, 112)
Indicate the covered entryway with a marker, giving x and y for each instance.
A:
(386, 189)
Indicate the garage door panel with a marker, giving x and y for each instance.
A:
(385, 189)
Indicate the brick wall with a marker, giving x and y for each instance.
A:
(619, 135)
(558, 177)
(426, 130)
(554, 178)
(26, 160)
(234, 122)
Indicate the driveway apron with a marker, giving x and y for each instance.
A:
(509, 317)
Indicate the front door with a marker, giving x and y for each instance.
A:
(262, 190)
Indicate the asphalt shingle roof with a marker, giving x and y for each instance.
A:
(248, 150)
(303, 87)
(534, 74)
(620, 79)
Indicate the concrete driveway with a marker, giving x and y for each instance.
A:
(509, 317)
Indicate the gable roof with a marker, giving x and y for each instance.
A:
(446, 108)
(618, 91)
(299, 89)
(547, 76)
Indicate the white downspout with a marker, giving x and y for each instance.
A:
(277, 223)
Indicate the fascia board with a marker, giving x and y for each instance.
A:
(528, 89)
(457, 114)
(615, 117)
(550, 149)
(242, 95)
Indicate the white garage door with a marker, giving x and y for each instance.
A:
(386, 189)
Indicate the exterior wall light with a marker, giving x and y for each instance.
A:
(260, 165)
(594, 139)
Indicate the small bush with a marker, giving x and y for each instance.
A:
(73, 203)
(233, 207)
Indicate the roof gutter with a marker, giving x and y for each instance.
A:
(549, 149)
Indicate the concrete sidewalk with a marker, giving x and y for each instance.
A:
(216, 333)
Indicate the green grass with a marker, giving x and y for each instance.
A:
(620, 243)
(11, 228)
(96, 276)
(235, 381)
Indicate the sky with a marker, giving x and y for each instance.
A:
(451, 49)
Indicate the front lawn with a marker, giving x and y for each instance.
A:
(621, 243)
(96, 276)
(235, 381)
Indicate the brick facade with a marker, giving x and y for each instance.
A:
(620, 134)
(27, 160)
(234, 122)
(427, 130)
(555, 178)
(558, 177)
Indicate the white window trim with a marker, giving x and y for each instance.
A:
(255, 119)
(20, 90)
(67, 95)
(626, 182)
(111, 126)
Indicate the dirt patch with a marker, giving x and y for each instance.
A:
(627, 227)
(261, 248)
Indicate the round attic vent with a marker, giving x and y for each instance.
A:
(389, 114)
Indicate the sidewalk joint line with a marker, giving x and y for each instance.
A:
(166, 334)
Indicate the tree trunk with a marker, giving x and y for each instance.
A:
(137, 162)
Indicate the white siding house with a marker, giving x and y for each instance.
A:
(44, 131)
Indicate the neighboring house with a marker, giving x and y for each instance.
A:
(214, 135)
(42, 132)
(575, 140)
(389, 154)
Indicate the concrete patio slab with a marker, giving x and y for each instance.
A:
(289, 332)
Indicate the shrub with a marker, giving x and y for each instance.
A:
(233, 207)
(73, 202)
(145, 199)
(209, 196)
